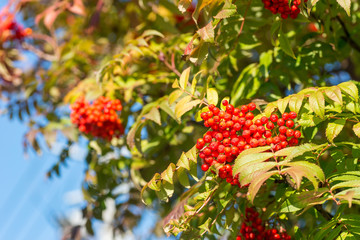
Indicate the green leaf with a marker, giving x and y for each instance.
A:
(250, 171)
(183, 162)
(130, 138)
(179, 108)
(350, 89)
(229, 216)
(356, 129)
(302, 200)
(345, 4)
(200, 53)
(349, 184)
(168, 188)
(175, 95)
(269, 109)
(334, 128)
(183, 5)
(151, 32)
(212, 96)
(285, 44)
(253, 150)
(184, 78)
(317, 103)
(225, 13)
(192, 154)
(168, 174)
(154, 115)
(282, 104)
(182, 109)
(183, 178)
(164, 105)
(250, 159)
(292, 152)
(228, 10)
(194, 82)
(299, 169)
(295, 102)
(154, 183)
(207, 32)
(334, 93)
(257, 183)
(274, 27)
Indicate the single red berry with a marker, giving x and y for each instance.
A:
(297, 134)
(290, 123)
(216, 111)
(280, 122)
(248, 123)
(270, 125)
(254, 143)
(225, 102)
(274, 118)
(262, 142)
(276, 140)
(244, 108)
(267, 134)
(285, 116)
(229, 108)
(264, 120)
(211, 107)
(252, 106)
(292, 115)
(203, 116)
(249, 116)
(204, 167)
(289, 133)
(221, 158)
(282, 129)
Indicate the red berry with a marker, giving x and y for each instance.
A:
(264, 120)
(204, 167)
(249, 116)
(292, 115)
(285, 116)
(289, 133)
(270, 125)
(207, 138)
(274, 118)
(254, 143)
(282, 129)
(252, 106)
(289, 123)
(244, 108)
(297, 134)
(225, 102)
(280, 122)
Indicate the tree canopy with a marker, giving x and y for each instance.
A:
(231, 119)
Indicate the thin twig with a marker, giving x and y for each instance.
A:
(38, 52)
(168, 65)
(348, 37)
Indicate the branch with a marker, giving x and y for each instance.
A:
(38, 52)
(168, 65)
(347, 35)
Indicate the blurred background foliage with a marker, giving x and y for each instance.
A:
(134, 51)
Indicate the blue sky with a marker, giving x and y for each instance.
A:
(31, 202)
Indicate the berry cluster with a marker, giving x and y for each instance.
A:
(100, 119)
(283, 7)
(254, 228)
(10, 29)
(235, 130)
